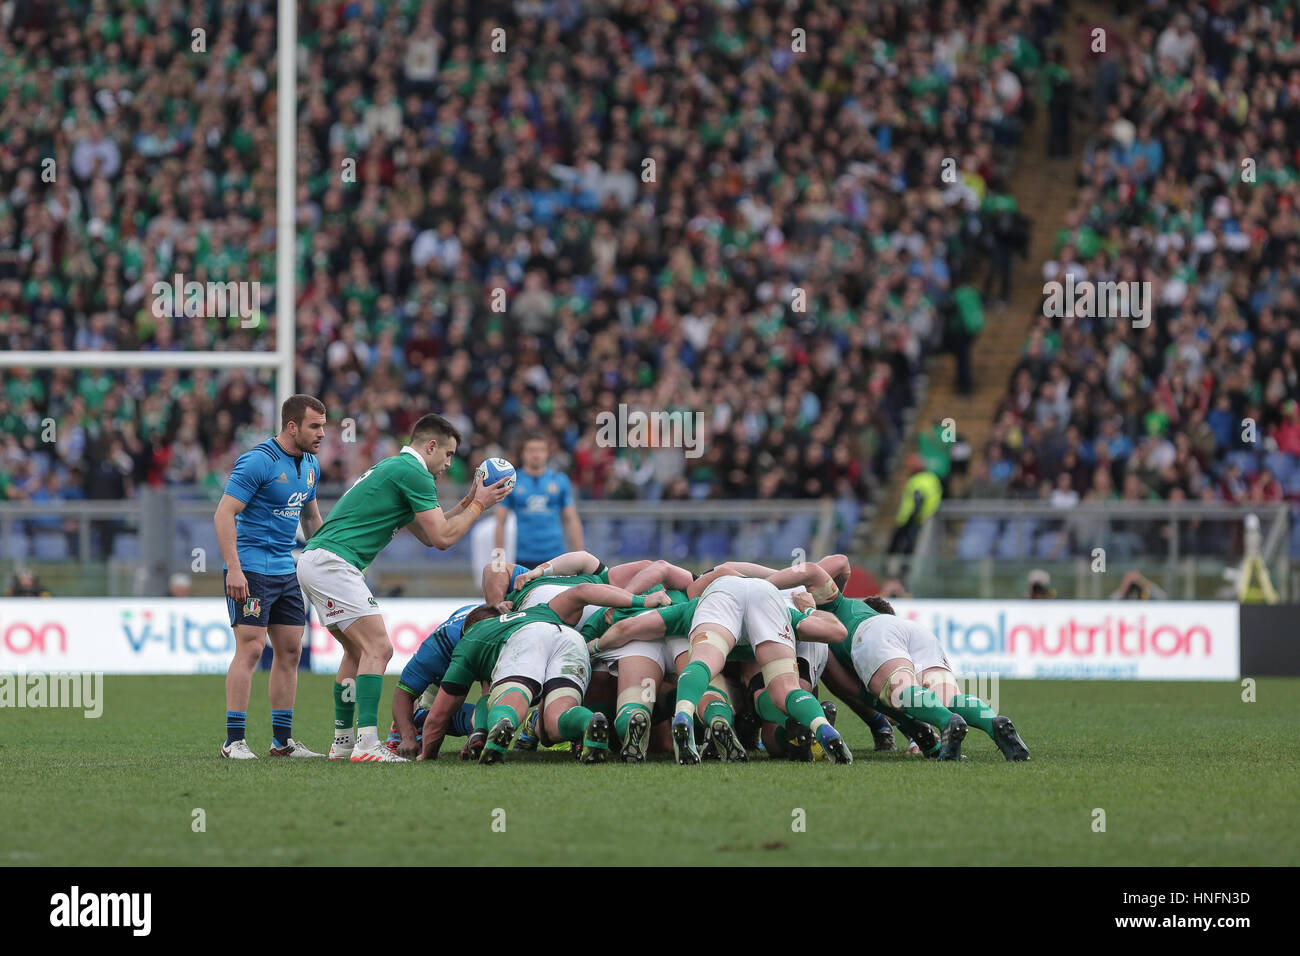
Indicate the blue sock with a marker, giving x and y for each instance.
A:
(281, 727)
(235, 721)
(462, 722)
(880, 723)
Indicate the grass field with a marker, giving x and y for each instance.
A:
(1187, 774)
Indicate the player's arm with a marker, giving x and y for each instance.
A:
(572, 527)
(569, 603)
(435, 530)
(464, 502)
(571, 562)
(310, 519)
(403, 711)
(659, 572)
(638, 627)
(749, 569)
(822, 627)
(836, 565)
(496, 581)
(445, 704)
(703, 581)
(806, 575)
(224, 520)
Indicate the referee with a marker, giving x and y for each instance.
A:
(545, 515)
(271, 488)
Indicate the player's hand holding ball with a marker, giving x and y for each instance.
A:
(495, 479)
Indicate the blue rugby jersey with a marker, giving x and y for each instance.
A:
(537, 503)
(273, 486)
(431, 659)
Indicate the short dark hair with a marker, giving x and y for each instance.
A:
(480, 613)
(295, 408)
(434, 426)
(878, 604)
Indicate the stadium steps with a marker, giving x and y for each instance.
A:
(1040, 187)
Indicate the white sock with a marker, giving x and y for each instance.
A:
(367, 736)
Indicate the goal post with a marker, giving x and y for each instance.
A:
(282, 359)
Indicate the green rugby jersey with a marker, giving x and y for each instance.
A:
(851, 612)
(567, 580)
(379, 504)
(476, 655)
(597, 625)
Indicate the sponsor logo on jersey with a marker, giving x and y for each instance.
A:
(283, 479)
(252, 607)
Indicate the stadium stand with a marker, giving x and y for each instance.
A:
(672, 288)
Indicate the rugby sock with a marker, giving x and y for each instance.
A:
(281, 727)
(501, 710)
(880, 724)
(572, 724)
(691, 685)
(481, 713)
(462, 722)
(974, 711)
(906, 724)
(624, 717)
(924, 705)
(235, 721)
(768, 710)
(370, 687)
(344, 711)
(718, 707)
(805, 708)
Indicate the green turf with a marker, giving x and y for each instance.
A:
(1186, 773)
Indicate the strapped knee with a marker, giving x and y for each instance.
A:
(713, 640)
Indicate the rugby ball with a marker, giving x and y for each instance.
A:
(496, 469)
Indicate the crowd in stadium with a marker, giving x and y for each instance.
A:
(774, 170)
(1190, 184)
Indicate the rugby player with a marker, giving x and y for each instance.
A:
(398, 492)
(735, 609)
(643, 647)
(533, 656)
(422, 673)
(271, 490)
(903, 664)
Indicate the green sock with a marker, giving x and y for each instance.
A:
(720, 707)
(692, 682)
(481, 713)
(805, 708)
(624, 718)
(974, 711)
(768, 710)
(370, 687)
(924, 705)
(573, 722)
(344, 710)
(493, 715)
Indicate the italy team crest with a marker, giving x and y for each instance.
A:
(253, 607)
(311, 478)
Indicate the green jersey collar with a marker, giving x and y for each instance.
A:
(408, 450)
